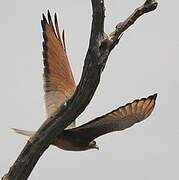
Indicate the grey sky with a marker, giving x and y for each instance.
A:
(145, 62)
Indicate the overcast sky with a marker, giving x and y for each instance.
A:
(145, 62)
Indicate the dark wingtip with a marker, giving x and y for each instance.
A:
(43, 25)
(44, 18)
(49, 16)
(55, 17)
(63, 35)
(153, 96)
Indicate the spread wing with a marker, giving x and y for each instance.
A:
(59, 84)
(117, 120)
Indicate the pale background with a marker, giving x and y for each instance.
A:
(145, 62)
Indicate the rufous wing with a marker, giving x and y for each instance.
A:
(59, 84)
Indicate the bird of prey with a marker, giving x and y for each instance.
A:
(59, 86)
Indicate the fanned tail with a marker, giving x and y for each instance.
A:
(24, 132)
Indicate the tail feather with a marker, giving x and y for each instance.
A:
(24, 132)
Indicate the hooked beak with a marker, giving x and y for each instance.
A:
(96, 147)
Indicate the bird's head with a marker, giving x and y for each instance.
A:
(93, 145)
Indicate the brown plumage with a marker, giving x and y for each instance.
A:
(82, 137)
(59, 86)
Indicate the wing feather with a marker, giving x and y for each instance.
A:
(59, 84)
(117, 120)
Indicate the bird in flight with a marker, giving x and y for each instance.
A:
(59, 86)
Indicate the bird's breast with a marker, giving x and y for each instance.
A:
(69, 144)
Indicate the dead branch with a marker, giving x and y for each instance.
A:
(99, 49)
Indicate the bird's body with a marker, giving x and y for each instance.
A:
(59, 86)
(68, 143)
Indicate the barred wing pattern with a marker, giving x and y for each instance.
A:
(117, 120)
(59, 84)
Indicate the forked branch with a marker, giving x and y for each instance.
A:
(100, 47)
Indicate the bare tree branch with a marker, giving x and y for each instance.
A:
(148, 6)
(99, 49)
(97, 28)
